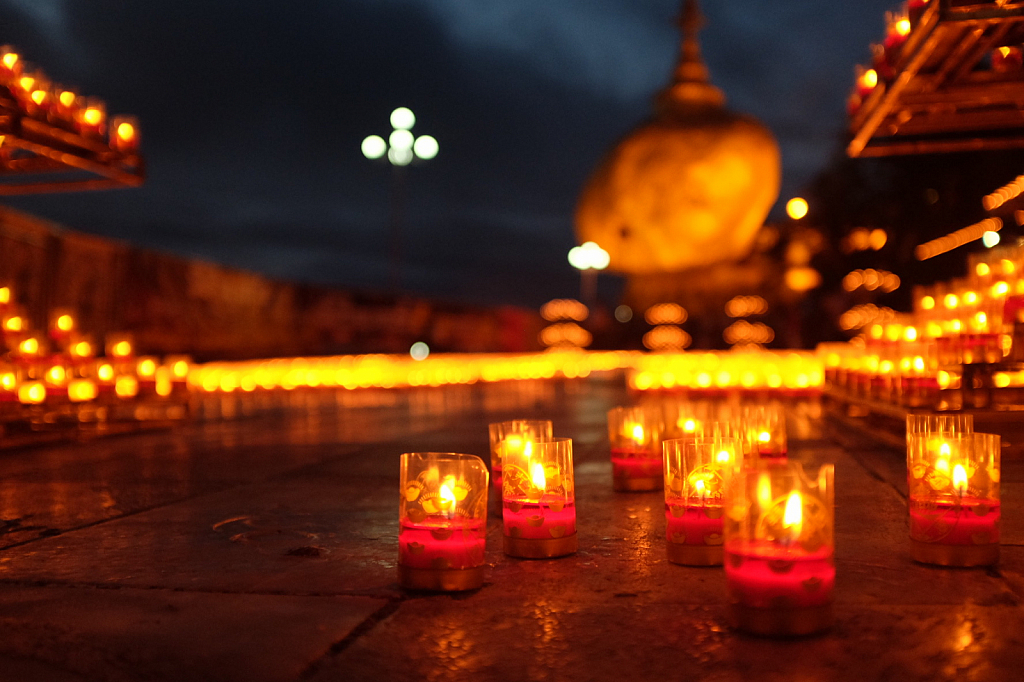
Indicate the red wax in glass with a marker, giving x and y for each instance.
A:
(441, 544)
(771, 576)
(537, 520)
(636, 463)
(771, 450)
(971, 522)
(692, 525)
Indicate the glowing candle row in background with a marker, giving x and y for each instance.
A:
(636, 434)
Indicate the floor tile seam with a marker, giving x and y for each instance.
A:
(358, 632)
(385, 595)
(851, 450)
(279, 476)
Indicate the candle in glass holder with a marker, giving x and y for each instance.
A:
(779, 564)
(635, 435)
(766, 427)
(442, 521)
(683, 418)
(512, 436)
(696, 474)
(937, 425)
(538, 500)
(954, 498)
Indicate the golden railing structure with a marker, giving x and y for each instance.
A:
(947, 77)
(54, 140)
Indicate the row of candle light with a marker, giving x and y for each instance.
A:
(763, 518)
(63, 107)
(975, 320)
(61, 366)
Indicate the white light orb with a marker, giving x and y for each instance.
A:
(419, 351)
(425, 147)
(401, 139)
(578, 258)
(402, 119)
(400, 156)
(374, 147)
(990, 239)
(596, 256)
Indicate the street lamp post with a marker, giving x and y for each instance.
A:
(401, 149)
(588, 259)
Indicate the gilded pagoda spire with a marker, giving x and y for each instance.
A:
(691, 86)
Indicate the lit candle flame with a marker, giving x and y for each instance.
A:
(764, 437)
(960, 478)
(638, 433)
(794, 515)
(537, 475)
(723, 456)
(700, 489)
(446, 497)
(689, 426)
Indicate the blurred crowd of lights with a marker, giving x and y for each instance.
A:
(1008, 192)
(871, 279)
(564, 309)
(863, 239)
(746, 370)
(748, 333)
(563, 334)
(956, 239)
(667, 337)
(863, 315)
(394, 371)
(802, 278)
(666, 313)
(744, 306)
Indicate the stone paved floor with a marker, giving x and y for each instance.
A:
(264, 549)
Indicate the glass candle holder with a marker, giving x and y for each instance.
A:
(954, 498)
(931, 423)
(635, 436)
(512, 436)
(442, 521)
(779, 548)
(538, 500)
(697, 472)
(683, 419)
(766, 428)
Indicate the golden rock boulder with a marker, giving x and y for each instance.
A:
(691, 188)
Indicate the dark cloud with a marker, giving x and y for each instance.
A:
(253, 112)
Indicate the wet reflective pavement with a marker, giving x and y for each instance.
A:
(264, 549)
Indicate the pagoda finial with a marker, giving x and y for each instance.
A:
(691, 85)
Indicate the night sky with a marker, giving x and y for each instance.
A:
(252, 113)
